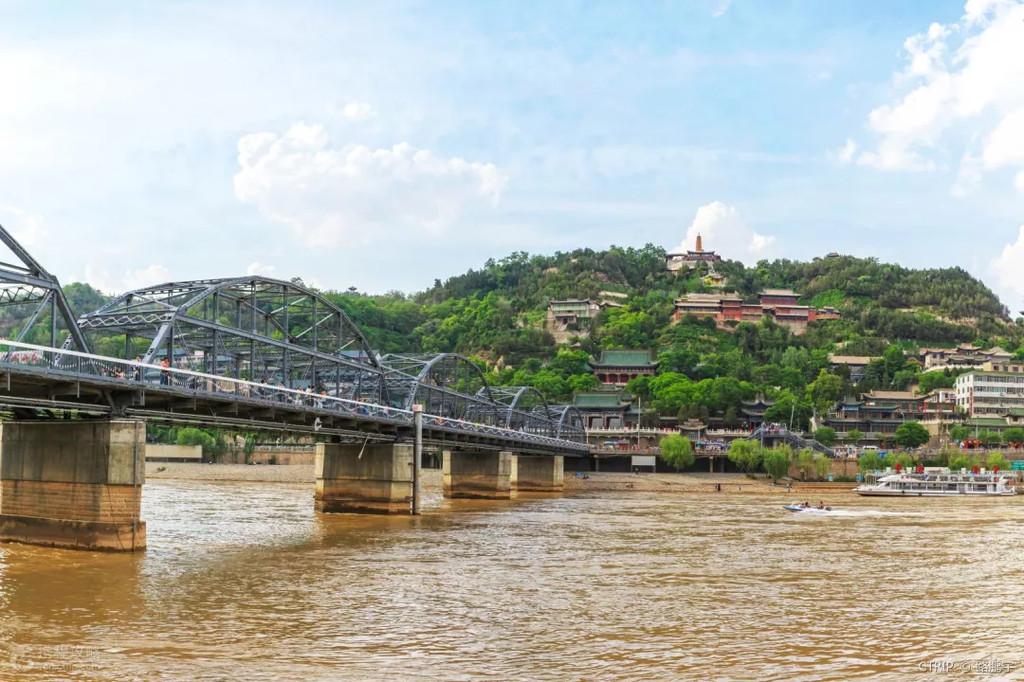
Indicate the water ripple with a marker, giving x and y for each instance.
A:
(246, 581)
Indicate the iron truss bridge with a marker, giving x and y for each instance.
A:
(250, 353)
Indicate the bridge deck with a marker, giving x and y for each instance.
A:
(37, 377)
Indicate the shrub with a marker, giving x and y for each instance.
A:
(826, 435)
(997, 459)
(870, 461)
(677, 451)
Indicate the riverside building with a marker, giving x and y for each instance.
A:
(990, 393)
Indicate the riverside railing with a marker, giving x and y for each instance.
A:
(24, 358)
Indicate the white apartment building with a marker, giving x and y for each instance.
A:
(988, 394)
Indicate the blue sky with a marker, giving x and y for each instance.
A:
(384, 145)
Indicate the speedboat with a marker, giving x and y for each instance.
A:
(797, 507)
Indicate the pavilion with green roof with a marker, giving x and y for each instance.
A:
(603, 409)
(618, 367)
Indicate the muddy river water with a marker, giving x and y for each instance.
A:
(245, 581)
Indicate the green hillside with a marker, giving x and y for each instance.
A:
(497, 311)
(496, 315)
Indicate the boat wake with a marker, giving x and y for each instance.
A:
(863, 513)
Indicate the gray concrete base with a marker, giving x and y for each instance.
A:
(73, 484)
(375, 479)
(479, 474)
(538, 474)
(89, 535)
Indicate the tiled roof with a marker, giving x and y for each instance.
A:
(986, 421)
(890, 395)
(625, 358)
(851, 359)
(606, 399)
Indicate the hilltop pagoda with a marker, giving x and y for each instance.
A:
(678, 260)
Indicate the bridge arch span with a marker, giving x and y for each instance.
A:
(446, 385)
(266, 330)
(570, 423)
(526, 409)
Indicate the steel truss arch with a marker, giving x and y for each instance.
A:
(266, 330)
(446, 385)
(32, 304)
(527, 409)
(570, 423)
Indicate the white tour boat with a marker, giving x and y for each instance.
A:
(938, 482)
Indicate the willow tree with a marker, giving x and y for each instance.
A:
(677, 451)
(777, 461)
(746, 454)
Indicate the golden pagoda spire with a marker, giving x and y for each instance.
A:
(700, 245)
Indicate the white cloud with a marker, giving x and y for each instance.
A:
(963, 80)
(357, 110)
(720, 7)
(1005, 145)
(722, 229)
(28, 228)
(1007, 266)
(328, 195)
(968, 179)
(101, 279)
(261, 270)
(846, 153)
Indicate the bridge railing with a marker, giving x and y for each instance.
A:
(129, 373)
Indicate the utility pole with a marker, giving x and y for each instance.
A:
(640, 415)
(417, 456)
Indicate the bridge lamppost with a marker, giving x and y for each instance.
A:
(417, 456)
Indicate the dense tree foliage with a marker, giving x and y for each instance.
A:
(911, 435)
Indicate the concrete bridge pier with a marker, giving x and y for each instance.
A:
(477, 474)
(73, 484)
(371, 479)
(538, 474)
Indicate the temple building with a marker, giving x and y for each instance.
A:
(753, 412)
(678, 260)
(964, 356)
(605, 410)
(618, 367)
(572, 317)
(729, 309)
(857, 364)
(878, 414)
